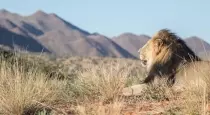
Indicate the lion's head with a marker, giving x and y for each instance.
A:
(158, 48)
(164, 52)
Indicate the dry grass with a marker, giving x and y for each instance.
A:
(105, 84)
(20, 90)
(196, 96)
(92, 86)
(99, 108)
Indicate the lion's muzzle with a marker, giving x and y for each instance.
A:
(143, 61)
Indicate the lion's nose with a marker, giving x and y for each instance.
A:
(141, 57)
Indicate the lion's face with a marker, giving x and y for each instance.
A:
(150, 51)
(146, 54)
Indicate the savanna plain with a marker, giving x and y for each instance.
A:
(32, 84)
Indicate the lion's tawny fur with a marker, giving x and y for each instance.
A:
(167, 53)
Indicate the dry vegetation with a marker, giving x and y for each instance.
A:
(87, 86)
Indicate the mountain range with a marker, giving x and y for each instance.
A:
(49, 33)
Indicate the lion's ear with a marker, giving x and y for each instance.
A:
(158, 43)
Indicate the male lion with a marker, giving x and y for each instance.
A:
(167, 55)
(164, 55)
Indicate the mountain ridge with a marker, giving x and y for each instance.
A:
(60, 37)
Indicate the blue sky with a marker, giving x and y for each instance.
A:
(113, 17)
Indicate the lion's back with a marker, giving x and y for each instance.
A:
(193, 74)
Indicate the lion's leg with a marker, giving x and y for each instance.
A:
(134, 90)
(171, 80)
(149, 79)
(151, 74)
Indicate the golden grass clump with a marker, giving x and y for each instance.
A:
(21, 91)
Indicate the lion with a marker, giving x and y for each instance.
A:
(167, 55)
(164, 54)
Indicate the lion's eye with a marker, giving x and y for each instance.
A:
(144, 61)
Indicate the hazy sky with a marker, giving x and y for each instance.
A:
(113, 17)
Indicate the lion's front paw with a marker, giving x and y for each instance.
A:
(134, 90)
